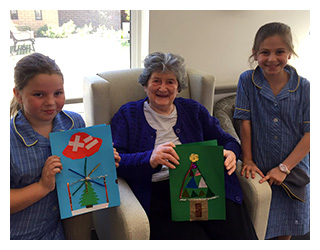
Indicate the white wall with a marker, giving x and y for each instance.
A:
(219, 42)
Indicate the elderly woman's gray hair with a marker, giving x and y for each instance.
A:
(164, 63)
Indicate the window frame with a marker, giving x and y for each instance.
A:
(139, 43)
(139, 30)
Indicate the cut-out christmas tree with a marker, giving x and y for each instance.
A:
(194, 185)
(89, 196)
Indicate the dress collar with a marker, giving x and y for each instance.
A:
(30, 137)
(294, 81)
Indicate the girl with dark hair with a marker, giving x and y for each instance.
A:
(273, 102)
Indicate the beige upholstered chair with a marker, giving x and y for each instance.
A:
(104, 93)
(257, 197)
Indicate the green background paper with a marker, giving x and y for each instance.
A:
(211, 166)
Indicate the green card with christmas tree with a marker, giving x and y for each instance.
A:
(197, 185)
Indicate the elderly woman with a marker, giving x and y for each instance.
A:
(145, 133)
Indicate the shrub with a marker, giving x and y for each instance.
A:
(86, 30)
(41, 31)
(54, 31)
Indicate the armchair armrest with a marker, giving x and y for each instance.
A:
(224, 110)
(257, 198)
(126, 222)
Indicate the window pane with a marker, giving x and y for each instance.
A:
(14, 14)
(83, 42)
(38, 14)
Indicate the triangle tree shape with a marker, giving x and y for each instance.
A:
(186, 194)
(193, 180)
(191, 174)
(202, 183)
(197, 173)
(192, 184)
(194, 194)
(201, 193)
(210, 193)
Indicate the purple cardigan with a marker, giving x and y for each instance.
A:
(134, 139)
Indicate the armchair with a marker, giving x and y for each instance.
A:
(104, 94)
(257, 197)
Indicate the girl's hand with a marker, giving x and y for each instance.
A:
(274, 176)
(230, 162)
(164, 154)
(51, 167)
(117, 157)
(250, 166)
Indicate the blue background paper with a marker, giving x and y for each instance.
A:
(105, 156)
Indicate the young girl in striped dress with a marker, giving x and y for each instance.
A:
(273, 102)
(36, 111)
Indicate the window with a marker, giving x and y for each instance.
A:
(94, 41)
(38, 14)
(14, 14)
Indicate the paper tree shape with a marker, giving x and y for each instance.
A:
(89, 196)
(194, 186)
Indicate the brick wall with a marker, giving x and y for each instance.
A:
(27, 18)
(109, 18)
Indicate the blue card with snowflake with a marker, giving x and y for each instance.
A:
(197, 188)
(88, 180)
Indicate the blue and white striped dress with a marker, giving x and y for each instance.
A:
(28, 153)
(277, 125)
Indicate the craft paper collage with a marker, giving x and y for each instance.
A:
(88, 181)
(197, 185)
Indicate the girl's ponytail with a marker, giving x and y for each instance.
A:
(15, 106)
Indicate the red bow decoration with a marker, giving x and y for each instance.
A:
(82, 145)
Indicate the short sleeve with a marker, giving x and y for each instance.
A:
(79, 122)
(242, 108)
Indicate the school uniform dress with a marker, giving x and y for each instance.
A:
(28, 153)
(277, 125)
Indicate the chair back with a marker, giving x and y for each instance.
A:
(106, 92)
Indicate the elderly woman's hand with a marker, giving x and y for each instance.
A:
(164, 154)
(117, 157)
(230, 162)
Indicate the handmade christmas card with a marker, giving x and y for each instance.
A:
(88, 180)
(197, 185)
